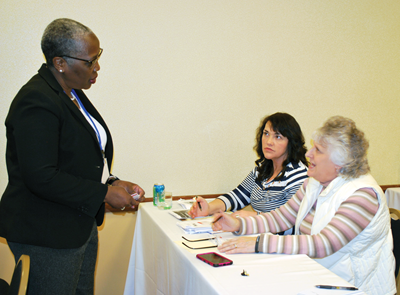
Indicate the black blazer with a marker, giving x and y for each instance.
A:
(54, 163)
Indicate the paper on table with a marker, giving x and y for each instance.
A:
(185, 204)
(222, 238)
(196, 226)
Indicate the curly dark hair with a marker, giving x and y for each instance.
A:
(286, 125)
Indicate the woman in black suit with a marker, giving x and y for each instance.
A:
(59, 153)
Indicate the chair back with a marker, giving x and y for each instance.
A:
(19, 280)
(395, 223)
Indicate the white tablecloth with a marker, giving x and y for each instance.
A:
(393, 197)
(160, 265)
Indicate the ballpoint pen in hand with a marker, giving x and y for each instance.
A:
(199, 204)
(216, 219)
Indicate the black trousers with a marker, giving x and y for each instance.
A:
(60, 271)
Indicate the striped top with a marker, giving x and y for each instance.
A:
(352, 217)
(265, 196)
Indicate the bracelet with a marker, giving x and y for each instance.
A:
(111, 179)
(257, 242)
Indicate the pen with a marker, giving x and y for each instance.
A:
(217, 219)
(336, 287)
(199, 204)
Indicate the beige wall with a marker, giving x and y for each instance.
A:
(183, 83)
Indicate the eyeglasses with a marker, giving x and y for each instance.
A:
(92, 62)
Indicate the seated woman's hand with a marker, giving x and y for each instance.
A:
(239, 245)
(225, 222)
(244, 213)
(195, 210)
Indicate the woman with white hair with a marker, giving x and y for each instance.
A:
(340, 214)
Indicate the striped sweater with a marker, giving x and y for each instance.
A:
(265, 196)
(352, 217)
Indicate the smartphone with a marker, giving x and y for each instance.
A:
(214, 259)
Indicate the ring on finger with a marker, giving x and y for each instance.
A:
(235, 246)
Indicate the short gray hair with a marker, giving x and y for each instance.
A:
(347, 145)
(61, 37)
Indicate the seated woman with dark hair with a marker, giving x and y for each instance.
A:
(280, 170)
(340, 214)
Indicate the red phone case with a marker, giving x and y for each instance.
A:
(214, 259)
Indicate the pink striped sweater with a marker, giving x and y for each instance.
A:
(352, 217)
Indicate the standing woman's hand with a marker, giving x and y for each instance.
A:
(130, 188)
(119, 198)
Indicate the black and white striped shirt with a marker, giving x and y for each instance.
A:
(265, 196)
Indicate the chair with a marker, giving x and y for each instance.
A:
(395, 223)
(19, 280)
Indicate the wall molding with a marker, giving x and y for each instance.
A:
(111, 209)
(211, 196)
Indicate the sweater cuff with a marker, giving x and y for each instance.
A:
(242, 228)
(226, 202)
(264, 242)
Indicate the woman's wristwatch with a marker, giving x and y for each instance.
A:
(257, 242)
(111, 179)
